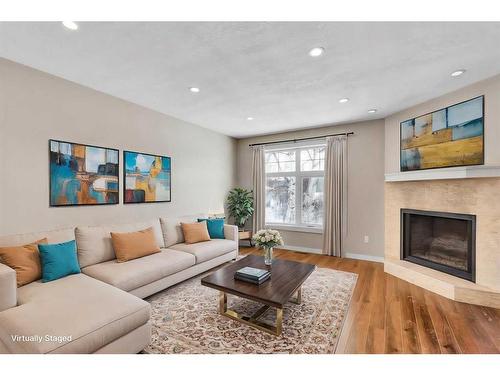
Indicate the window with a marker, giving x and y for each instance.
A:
(294, 186)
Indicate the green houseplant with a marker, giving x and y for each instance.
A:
(240, 205)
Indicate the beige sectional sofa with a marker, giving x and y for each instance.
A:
(100, 310)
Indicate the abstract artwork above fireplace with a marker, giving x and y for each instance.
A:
(440, 240)
(450, 137)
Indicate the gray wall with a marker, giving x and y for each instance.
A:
(35, 106)
(365, 185)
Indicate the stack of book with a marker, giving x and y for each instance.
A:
(252, 275)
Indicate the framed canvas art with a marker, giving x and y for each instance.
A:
(82, 174)
(450, 137)
(147, 178)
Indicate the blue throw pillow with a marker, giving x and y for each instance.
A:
(58, 260)
(215, 227)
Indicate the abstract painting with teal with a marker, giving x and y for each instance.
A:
(82, 174)
(147, 178)
(450, 137)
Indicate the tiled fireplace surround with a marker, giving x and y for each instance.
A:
(477, 196)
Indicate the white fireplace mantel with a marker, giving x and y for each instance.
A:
(477, 171)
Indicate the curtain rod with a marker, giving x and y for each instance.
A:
(299, 139)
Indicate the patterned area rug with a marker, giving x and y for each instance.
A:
(185, 319)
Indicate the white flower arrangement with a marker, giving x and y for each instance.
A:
(268, 238)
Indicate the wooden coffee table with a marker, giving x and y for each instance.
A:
(286, 280)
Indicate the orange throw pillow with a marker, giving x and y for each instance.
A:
(195, 232)
(134, 245)
(25, 260)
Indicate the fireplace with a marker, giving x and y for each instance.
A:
(440, 240)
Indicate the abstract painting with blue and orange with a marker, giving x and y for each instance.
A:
(450, 137)
(82, 174)
(147, 178)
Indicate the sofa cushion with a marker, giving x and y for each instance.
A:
(54, 236)
(133, 245)
(171, 228)
(204, 251)
(195, 232)
(94, 243)
(58, 260)
(25, 260)
(215, 227)
(88, 312)
(141, 271)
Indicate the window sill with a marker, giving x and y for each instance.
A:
(294, 228)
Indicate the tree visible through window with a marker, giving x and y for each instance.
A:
(295, 185)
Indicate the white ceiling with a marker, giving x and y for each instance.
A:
(263, 69)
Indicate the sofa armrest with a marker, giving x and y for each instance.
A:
(231, 232)
(8, 288)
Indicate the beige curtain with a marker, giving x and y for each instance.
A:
(258, 186)
(335, 215)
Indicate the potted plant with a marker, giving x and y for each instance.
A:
(240, 205)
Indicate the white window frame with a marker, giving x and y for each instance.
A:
(298, 226)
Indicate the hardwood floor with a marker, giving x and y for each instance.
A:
(389, 315)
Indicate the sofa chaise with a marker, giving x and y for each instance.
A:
(101, 309)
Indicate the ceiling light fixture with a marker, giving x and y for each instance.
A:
(344, 100)
(373, 110)
(249, 118)
(316, 51)
(70, 25)
(457, 73)
(194, 89)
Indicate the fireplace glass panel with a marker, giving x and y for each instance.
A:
(439, 240)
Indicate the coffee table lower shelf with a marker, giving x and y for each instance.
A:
(253, 321)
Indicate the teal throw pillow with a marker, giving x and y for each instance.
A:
(58, 260)
(215, 227)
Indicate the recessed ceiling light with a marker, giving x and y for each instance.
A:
(344, 100)
(194, 89)
(249, 118)
(70, 25)
(373, 110)
(316, 51)
(457, 73)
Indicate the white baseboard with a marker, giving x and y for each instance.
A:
(313, 250)
(371, 258)
(302, 249)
